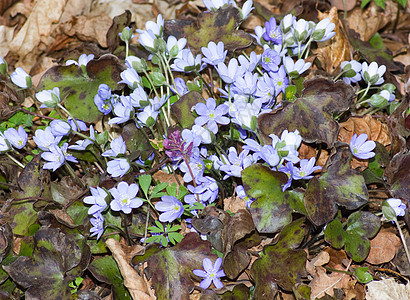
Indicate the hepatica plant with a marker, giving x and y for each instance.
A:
(198, 155)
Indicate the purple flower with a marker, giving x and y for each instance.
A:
(206, 190)
(180, 86)
(49, 98)
(56, 156)
(236, 163)
(211, 115)
(122, 110)
(103, 106)
(229, 73)
(104, 92)
(249, 65)
(97, 200)
(398, 207)
(130, 77)
(81, 124)
(118, 167)
(197, 167)
(20, 78)
(17, 138)
(288, 170)
(270, 60)
(307, 167)
(273, 32)
(125, 197)
(254, 146)
(265, 89)
(246, 84)
(240, 191)
(98, 225)
(81, 145)
(270, 155)
(280, 80)
(360, 148)
(214, 54)
(176, 147)
(44, 138)
(137, 96)
(187, 62)
(60, 128)
(117, 147)
(171, 207)
(211, 273)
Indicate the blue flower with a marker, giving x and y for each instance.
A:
(180, 86)
(245, 85)
(214, 54)
(236, 163)
(323, 30)
(118, 167)
(351, 71)
(288, 170)
(398, 207)
(4, 145)
(122, 110)
(17, 138)
(229, 73)
(360, 148)
(125, 197)
(60, 128)
(56, 157)
(82, 126)
(240, 191)
(187, 62)
(272, 32)
(307, 167)
(270, 60)
(280, 80)
(130, 77)
(103, 106)
(81, 145)
(197, 167)
(171, 207)
(206, 190)
(83, 60)
(270, 155)
(97, 200)
(211, 273)
(265, 89)
(98, 225)
(294, 69)
(49, 98)
(104, 92)
(210, 114)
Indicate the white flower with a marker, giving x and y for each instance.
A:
(246, 9)
(175, 47)
(4, 146)
(49, 98)
(352, 71)
(156, 28)
(300, 30)
(259, 31)
(20, 78)
(323, 30)
(373, 74)
(44, 138)
(294, 69)
(287, 22)
(398, 207)
(215, 4)
(83, 60)
(146, 39)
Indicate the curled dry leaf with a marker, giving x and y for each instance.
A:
(306, 152)
(368, 21)
(344, 4)
(383, 247)
(234, 203)
(136, 284)
(333, 52)
(387, 289)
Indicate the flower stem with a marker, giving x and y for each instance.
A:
(15, 160)
(402, 239)
(75, 177)
(127, 235)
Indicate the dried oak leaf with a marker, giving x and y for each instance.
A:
(338, 49)
(399, 132)
(387, 289)
(383, 247)
(220, 25)
(311, 114)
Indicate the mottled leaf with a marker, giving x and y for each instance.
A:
(105, 269)
(239, 292)
(118, 24)
(79, 89)
(220, 25)
(171, 268)
(44, 275)
(311, 114)
(280, 264)
(398, 176)
(334, 234)
(136, 141)
(397, 126)
(364, 223)
(338, 185)
(270, 212)
(182, 109)
(374, 172)
(357, 246)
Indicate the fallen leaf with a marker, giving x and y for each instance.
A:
(333, 52)
(344, 4)
(387, 289)
(233, 204)
(306, 152)
(136, 284)
(383, 247)
(162, 176)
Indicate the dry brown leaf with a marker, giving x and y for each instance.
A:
(6, 36)
(340, 4)
(233, 204)
(319, 260)
(338, 258)
(383, 247)
(387, 289)
(136, 284)
(333, 52)
(75, 8)
(161, 176)
(37, 29)
(367, 22)
(307, 152)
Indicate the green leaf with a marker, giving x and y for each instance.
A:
(362, 274)
(182, 109)
(334, 234)
(402, 2)
(145, 182)
(79, 90)
(357, 246)
(172, 189)
(270, 212)
(364, 3)
(380, 3)
(157, 78)
(364, 223)
(388, 211)
(105, 269)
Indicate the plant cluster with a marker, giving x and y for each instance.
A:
(218, 122)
